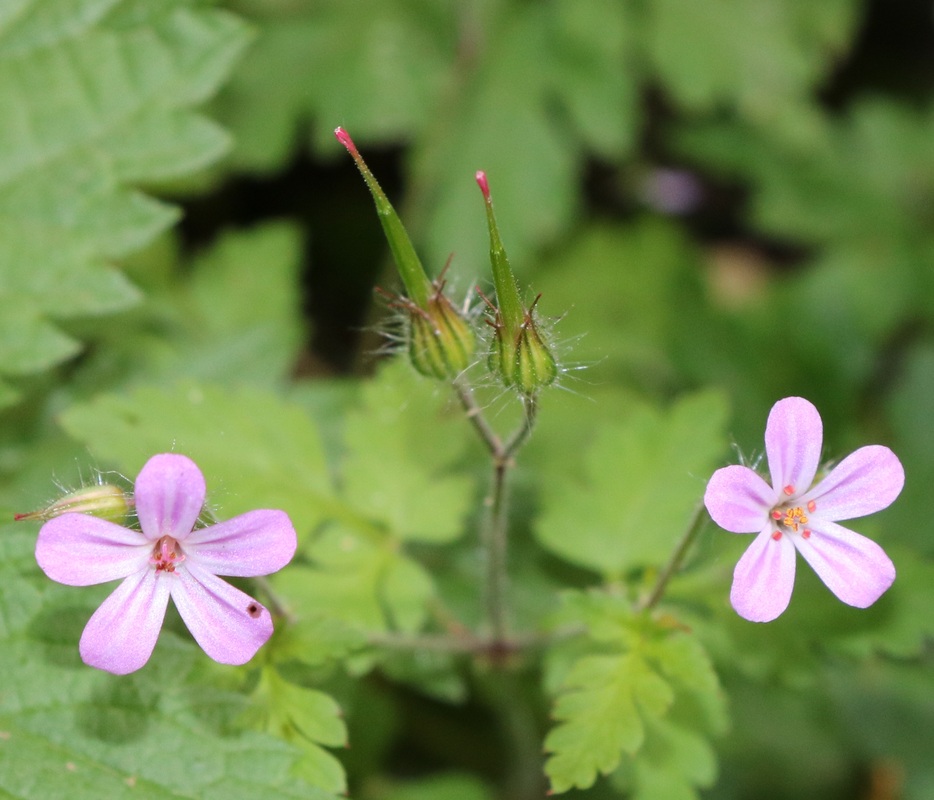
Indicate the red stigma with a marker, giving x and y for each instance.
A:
(811, 506)
(483, 184)
(166, 555)
(806, 534)
(344, 138)
(776, 514)
(789, 490)
(777, 535)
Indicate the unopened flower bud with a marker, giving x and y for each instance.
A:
(441, 341)
(101, 500)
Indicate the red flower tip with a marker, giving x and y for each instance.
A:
(344, 138)
(483, 184)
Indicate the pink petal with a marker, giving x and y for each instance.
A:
(738, 499)
(853, 567)
(121, 634)
(793, 437)
(169, 495)
(866, 481)
(764, 577)
(81, 550)
(255, 543)
(229, 625)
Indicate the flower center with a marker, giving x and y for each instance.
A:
(792, 519)
(166, 555)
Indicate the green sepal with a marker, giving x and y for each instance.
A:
(441, 341)
(525, 360)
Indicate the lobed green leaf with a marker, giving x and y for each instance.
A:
(643, 479)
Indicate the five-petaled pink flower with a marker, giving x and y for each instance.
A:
(169, 558)
(792, 515)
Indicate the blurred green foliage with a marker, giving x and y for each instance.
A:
(722, 202)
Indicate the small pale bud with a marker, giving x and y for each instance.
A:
(101, 500)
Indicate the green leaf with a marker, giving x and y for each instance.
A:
(600, 715)
(308, 718)
(643, 478)
(673, 762)
(626, 317)
(590, 41)
(401, 443)
(378, 71)
(685, 664)
(92, 107)
(255, 450)
(316, 640)
(532, 178)
(702, 52)
(643, 707)
(231, 314)
(366, 582)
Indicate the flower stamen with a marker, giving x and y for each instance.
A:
(166, 555)
(792, 519)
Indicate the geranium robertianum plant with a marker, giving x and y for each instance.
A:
(623, 653)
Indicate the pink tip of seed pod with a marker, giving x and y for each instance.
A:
(483, 184)
(344, 138)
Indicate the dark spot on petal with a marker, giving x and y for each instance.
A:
(254, 610)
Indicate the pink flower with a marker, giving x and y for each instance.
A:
(168, 558)
(792, 515)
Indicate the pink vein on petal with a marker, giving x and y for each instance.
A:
(169, 495)
(853, 567)
(229, 625)
(255, 543)
(793, 437)
(764, 577)
(121, 634)
(866, 481)
(738, 499)
(81, 550)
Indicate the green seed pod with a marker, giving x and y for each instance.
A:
(519, 354)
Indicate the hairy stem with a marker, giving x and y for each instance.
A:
(496, 533)
(674, 563)
(475, 416)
